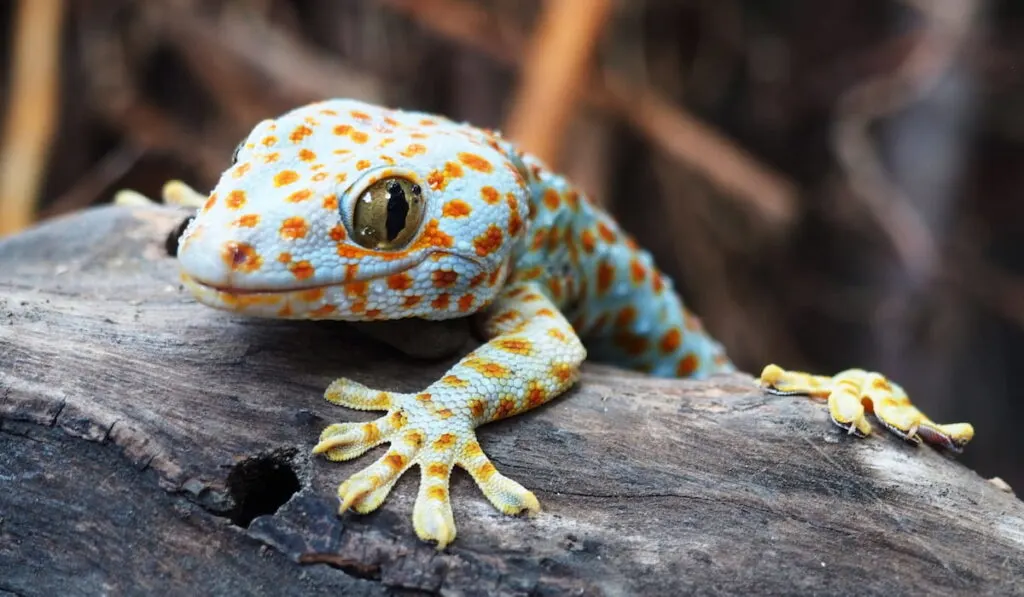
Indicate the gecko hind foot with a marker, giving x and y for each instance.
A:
(853, 393)
(421, 431)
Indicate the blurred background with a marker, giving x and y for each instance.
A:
(831, 184)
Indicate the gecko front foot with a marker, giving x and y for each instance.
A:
(421, 430)
(854, 392)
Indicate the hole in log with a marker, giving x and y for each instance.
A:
(261, 485)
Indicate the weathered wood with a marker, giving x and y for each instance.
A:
(150, 444)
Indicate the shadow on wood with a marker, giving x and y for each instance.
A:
(150, 444)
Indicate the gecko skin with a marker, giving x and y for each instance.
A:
(344, 210)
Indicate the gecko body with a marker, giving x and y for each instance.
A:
(345, 210)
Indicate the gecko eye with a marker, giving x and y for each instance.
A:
(387, 214)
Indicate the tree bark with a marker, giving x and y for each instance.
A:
(149, 444)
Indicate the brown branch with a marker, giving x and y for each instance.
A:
(942, 38)
(31, 118)
(554, 74)
(766, 192)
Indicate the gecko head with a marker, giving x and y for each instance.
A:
(343, 210)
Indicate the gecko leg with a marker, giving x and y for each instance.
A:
(532, 356)
(854, 392)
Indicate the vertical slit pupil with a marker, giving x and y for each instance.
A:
(398, 209)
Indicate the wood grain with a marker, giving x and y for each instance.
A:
(150, 444)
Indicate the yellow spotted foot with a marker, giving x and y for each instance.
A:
(532, 357)
(854, 392)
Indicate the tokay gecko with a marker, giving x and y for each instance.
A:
(350, 211)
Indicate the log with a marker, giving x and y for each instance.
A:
(149, 444)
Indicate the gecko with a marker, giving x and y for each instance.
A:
(345, 210)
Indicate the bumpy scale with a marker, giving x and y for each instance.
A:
(344, 210)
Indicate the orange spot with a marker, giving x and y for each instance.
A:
(424, 397)
(388, 159)
(323, 311)
(477, 279)
(241, 169)
(436, 180)
(626, 316)
(515, 222)
(301, 132)
(241, 257)
(489, 242)
(362, 164)
(670, 341)
(400, 281)
(605, 277)
(466, 302)
(551, 199)
(306, 155)
(373, 313)
(270, 158)
(319, 176)
(544, 313)
(359, 137)
(302, 270)
(357, 289)
(432, 236)
(454, 381)
(490, 195)
(235, 200)
(535, 395)
(657, 282)
(294, 228)
(475, 162)
(343, 129)
(248, 221)
(331, 202)
(637, 271)
(486, 368)
(285, 311)
(414, 149)
(573, 199)
(268, 140)
(606, 233)
(441, 302)
(284, 257)
(428, 122)
(446, 441)
(444, 413)
(439, 494)
(285, 177)
(484, 472)
(588, 241)
(350, 272)
(557, 335)
(359, 115)
(631, 344)
(477, 407)
(437, 470)
(456, 208)
(506, 407)
(444, 279)
(210, 202)
(563, 372)
(338, 233)
(687, 365)
(411, 301)
(312, 295)
(395, 461)
(298, 196)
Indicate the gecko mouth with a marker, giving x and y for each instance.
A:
(193, 282)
